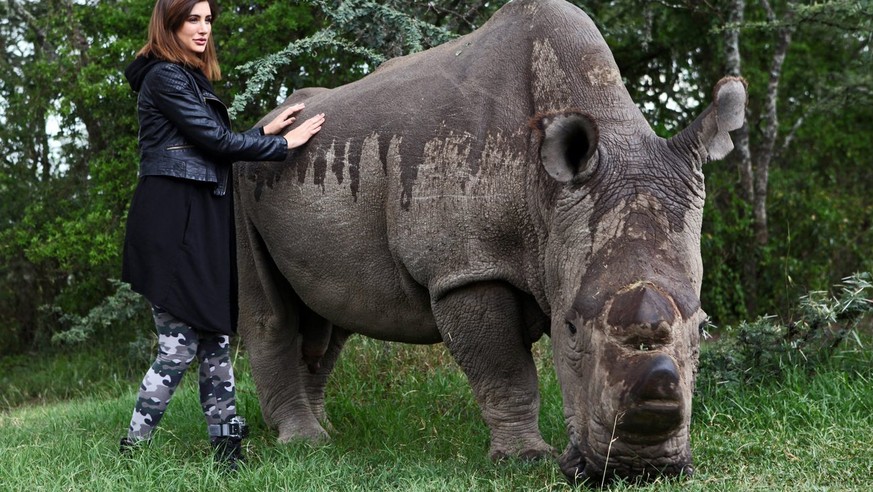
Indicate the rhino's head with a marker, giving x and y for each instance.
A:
(623, 261)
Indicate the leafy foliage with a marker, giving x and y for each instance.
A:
(365, 31)
(765, 350)
(264, 70)
(115, 310)
(68, 139)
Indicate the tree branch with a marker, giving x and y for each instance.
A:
(33, 23)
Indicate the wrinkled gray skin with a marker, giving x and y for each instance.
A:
(481, 194)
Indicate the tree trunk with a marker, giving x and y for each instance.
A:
(771, 131)
(754, 168)
(734, 67)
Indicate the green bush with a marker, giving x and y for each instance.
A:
(765, 350)
(122, 307)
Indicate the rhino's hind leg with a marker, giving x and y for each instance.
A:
(484, 329)
(318, 371)
(269, 323)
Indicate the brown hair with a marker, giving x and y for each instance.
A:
(167, 17)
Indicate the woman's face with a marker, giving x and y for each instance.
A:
(194, 32)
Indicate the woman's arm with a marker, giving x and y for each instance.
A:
(170, 90)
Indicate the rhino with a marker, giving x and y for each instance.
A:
(481, 194)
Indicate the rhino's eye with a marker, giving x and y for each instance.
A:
(571, 327)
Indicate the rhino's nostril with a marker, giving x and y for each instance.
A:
(660, 381)
(654, 404)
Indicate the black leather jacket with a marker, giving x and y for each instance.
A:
(185, 129)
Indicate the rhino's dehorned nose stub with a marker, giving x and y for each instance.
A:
(642, 316)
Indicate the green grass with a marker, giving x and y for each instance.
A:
(405, 419)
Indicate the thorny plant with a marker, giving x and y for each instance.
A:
(344, 35)
(765, 349)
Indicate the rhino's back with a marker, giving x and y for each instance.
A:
(415, 185)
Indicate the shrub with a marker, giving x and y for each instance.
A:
(766, 349)
(122, 307)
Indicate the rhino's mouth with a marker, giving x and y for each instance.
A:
(650, 422)
(594, 461)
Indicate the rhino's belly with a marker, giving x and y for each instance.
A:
(369, 296)
(335, 254)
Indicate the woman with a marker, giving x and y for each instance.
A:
(179, 246)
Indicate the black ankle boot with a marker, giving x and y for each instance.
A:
(228, 452)
(128, 445)
(227, 439)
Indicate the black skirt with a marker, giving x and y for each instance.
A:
(180, 251)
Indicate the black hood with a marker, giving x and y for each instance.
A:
(137, 70)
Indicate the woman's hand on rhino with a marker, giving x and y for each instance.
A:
(304, 131)
(283, 119)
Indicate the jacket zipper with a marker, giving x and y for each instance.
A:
(179, 147)
(226, 111)
(222, 185)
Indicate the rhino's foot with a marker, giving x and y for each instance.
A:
(312, 433)
(526, 450)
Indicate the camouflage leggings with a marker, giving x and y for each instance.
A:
(178, 345)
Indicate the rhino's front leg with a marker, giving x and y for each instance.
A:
(484, 329)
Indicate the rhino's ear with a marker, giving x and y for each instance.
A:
(709, 132)
(568, 140)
